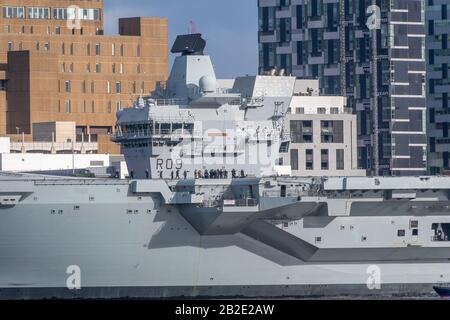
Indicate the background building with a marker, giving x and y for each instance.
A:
(323, 135)
(55, 69)
(438, 56)
(381, 73)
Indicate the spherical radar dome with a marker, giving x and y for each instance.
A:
(208, 84)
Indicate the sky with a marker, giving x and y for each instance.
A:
(229, 27)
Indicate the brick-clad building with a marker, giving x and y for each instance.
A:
(53, 68)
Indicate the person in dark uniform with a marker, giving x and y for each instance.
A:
(206, 174)
(171, 175)
(233, 173)
(146, 174)
(211, 174)
(220, 174)
(242, 173)
(160, 174)
(185, 173)
(225, 174)
(178, 175)
(195, 174)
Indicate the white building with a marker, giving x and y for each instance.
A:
(29, 162)
(323, 137)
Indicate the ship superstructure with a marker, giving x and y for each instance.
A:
(185, 225)
(189, 124)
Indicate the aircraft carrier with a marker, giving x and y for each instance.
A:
(204, 213)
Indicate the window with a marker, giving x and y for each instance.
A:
(83, 86)
(138, 50)
(63, 48)
(118, 105)
(92, 86)
(88, 49)
(121, 68)
(71, 49)
(92, 106)
(6, 29)
(68, 106)
(108, 86)
(339, 159)
(88, 67)
(441, 231)
(294, 159)
(301, 131)
(68, 85)
(401, 233)
(84, 106)
(121, 50)
(324, 159)
(13, 12)
(10, 46)
(38, 13)
(60, 14)
(118, 87)
(113, 68)
(300, 110)
(309, 157)
(138, 69)
(98, 67)
(97, 49)
(415, 232)
(109, 107)
(113, 49)
(334, 110)
(47, 46)
(58, 30)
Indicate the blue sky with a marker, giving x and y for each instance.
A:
(229, 26)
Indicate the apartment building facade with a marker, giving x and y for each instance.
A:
(323, 137)
(438, 89)
(380, 70)
(56, 64)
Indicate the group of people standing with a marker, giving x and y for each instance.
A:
(206, 174)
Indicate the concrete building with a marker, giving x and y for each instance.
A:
(438, 90)
(381, 71)
(323, 137)
(56, 68)
(35, 162)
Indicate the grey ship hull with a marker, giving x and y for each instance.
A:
(133, 246)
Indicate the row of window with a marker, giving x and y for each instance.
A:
(330, 131)
(115, 68)
(71, 49)
(7, 29)
(324, 159)
(71, 13)
(87, 107)
(117, 86)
